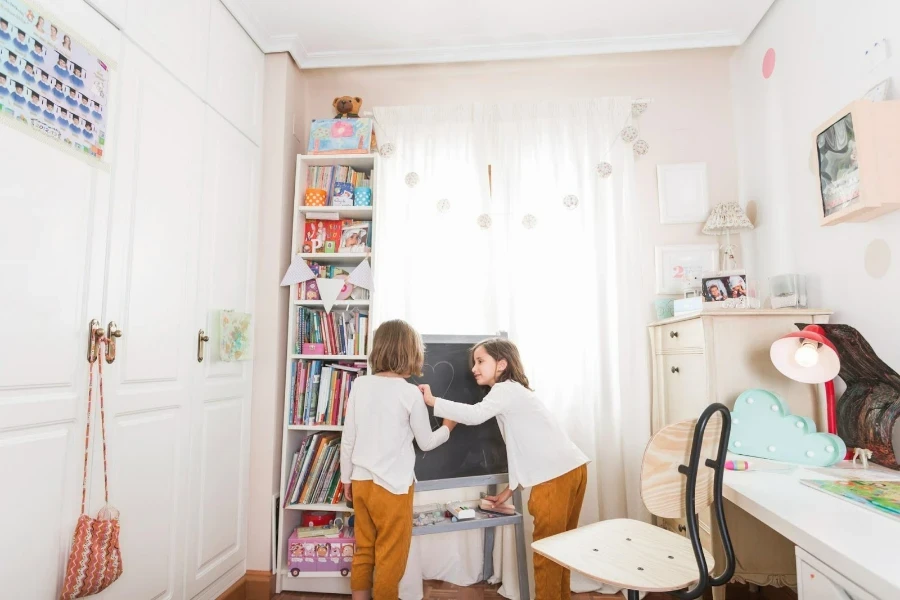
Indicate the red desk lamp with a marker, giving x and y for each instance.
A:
(808, 356)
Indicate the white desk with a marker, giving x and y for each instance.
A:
(859, 544)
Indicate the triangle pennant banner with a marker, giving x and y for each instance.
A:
(298, 272)
(361, 276)
(329, 289)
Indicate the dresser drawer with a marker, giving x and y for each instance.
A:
(818, 581)
(684, 386)
(679, 526)
(684, 335)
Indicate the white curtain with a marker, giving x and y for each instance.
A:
(561, 281)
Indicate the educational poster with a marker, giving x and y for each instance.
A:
(50, 81)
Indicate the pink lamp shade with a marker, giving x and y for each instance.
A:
(806, 356)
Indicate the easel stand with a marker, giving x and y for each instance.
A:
(488, 524)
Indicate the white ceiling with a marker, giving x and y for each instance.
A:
(389, 32)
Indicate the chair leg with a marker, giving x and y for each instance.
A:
(634, 595)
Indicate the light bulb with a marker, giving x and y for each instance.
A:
(807, 354)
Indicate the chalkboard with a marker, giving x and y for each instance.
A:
(471, 450)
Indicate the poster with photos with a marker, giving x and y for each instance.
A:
(50, 80)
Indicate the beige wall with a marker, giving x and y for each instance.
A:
(689, 120)
(819, 68)
(283, 91)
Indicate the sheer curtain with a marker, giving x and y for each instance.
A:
(561, 281)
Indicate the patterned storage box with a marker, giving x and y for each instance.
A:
(320, 554)
(362, 196)
(315, 197)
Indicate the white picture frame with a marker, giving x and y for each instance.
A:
(683, 191)
(683, 264)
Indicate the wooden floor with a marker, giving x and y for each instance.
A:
(437, 590)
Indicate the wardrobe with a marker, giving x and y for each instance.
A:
(154, 247)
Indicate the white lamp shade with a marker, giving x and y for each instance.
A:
(726, 217)
(784, 356)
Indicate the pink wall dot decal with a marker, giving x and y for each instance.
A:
(768, 65)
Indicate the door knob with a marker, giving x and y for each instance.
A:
(95, 334)
(112, 333)
(202, 338)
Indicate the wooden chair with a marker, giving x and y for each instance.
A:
(639, 557)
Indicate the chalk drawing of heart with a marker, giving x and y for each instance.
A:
(430, 374)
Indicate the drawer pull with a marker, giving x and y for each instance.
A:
(681, 528)
(676, 370)
(673, 334)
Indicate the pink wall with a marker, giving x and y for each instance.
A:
(690, 119)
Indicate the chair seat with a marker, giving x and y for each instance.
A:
(628, 554)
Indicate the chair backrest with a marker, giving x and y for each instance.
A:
(682, 473)
(663, 486)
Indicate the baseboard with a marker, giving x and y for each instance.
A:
(254, 585)
(260, 585)
(238, 591)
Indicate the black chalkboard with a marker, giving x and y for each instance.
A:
(470, 451)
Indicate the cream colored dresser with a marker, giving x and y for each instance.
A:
(713, 357)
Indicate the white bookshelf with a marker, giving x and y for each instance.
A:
(293, 435)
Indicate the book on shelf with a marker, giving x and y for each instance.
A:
(338, 333)
(315, 475)
(337, 236)
(319, 391)
(338, 181)
(309, 290)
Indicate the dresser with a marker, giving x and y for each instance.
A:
(713, 357)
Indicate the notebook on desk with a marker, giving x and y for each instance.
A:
(882, 497)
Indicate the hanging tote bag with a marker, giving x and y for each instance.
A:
(95, 560)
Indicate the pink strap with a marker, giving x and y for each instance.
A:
(101, 353)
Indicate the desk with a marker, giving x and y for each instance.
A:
(857, 543)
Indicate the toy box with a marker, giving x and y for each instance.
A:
(320, 554)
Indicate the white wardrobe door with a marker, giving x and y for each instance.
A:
(176, 33)
(217, 529)
(151, 295)
(236, 72)
(52, 239)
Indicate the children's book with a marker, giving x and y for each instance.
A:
(879, 496)
(355, 236)
(343, 194)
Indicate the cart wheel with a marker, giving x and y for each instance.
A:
(345, 572)
(295, 572)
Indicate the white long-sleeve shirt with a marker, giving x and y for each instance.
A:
(384, 414)
(537, 448)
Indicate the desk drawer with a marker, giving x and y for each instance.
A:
(818, 581)
(679, 526)
(684, 335)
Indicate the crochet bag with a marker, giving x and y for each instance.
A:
(95, 561)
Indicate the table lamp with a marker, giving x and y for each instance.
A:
(808, 356)
(725, 218)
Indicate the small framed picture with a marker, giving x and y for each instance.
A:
(720, 288)
(683, 193)
(679, 268)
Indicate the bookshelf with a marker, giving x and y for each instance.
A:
(294, 435)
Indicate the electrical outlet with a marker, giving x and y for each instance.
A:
(876, 54)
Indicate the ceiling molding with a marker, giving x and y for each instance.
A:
(472, 53)
(449, 54)
(247, 19)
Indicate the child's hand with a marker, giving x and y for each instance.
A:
(426, 393)
(348, 492)
(449, 424)
(500, 498)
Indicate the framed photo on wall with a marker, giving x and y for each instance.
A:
(683, 266)
(683, 193)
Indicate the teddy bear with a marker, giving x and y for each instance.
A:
(347, 107)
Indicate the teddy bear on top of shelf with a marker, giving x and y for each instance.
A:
(348, 107)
